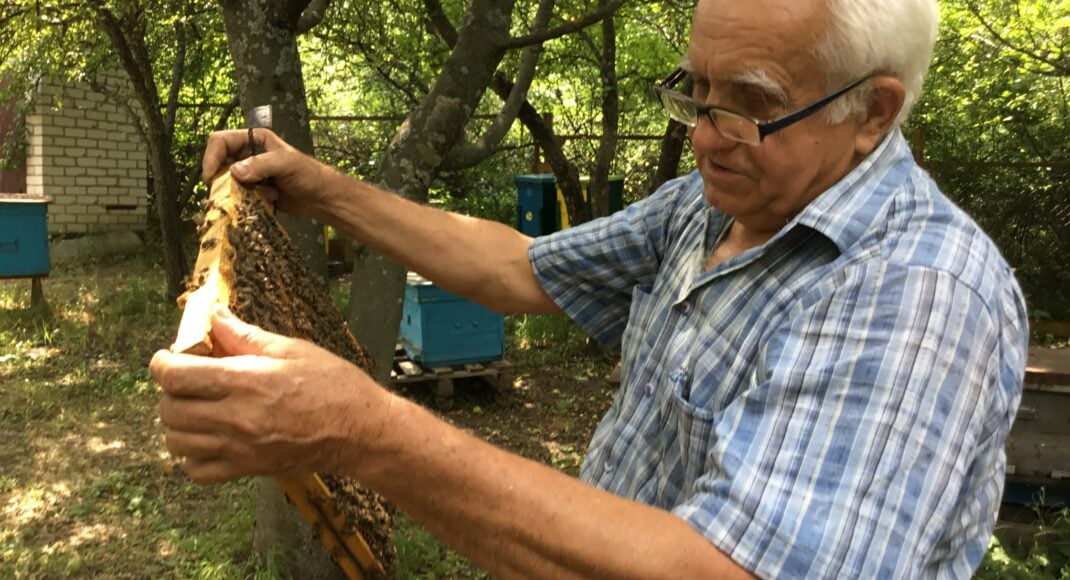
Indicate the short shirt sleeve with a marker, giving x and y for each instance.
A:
(867, 443)
(590, 270)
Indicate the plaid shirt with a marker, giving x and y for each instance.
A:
(830, 404)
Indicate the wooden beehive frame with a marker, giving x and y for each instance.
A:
(214, 276)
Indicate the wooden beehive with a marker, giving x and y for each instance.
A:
(248, 262)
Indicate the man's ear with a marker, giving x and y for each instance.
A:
(886, 100)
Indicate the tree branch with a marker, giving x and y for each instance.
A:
(564, 170)
(127, 56)
(193, 177)
(312, 15)
(177, 72)
(441, 23)
(1060, 67)
(540, 36)
(470, 155)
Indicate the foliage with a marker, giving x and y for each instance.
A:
(1045, 554)
(64, 41)
(544, 338)
(379, 60)
(13, 146)
(997, 94)
(992, 127)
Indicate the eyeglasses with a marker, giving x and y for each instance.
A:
(733, 125)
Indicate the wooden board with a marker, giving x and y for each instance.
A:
(408, 371)
(1048, 366)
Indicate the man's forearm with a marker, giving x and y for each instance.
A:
(515, 517)
(479, 259)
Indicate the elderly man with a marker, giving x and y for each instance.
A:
(822, 355)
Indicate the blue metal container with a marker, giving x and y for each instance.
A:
(536, 205)
(23, 236)
(441, 329)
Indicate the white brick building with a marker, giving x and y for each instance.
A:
(85, 153)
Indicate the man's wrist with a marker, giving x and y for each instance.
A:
(371, 410)
(334, 196)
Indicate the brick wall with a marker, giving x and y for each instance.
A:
(86, 154)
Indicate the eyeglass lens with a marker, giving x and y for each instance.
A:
(684, 110)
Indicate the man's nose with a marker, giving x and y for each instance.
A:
(707, 137)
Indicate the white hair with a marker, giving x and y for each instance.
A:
(891, 37)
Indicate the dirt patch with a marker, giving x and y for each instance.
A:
(548, 415)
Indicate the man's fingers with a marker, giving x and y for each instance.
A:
(184, 375)
(196, 445)
(195, 415)
(271, 195)
(234, 144)
(221, 146)
(212, 470)
(234, 337)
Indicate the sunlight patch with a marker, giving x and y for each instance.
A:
(27, 505)
(166, 549)
(85, 533)
(563, 456)
(97, 445)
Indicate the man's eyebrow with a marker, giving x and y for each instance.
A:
(685, 63)
(758, 82)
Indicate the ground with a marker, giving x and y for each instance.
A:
(87, 488)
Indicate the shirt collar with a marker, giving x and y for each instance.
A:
(847, 209)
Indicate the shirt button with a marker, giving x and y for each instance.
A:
(685, 308)
(608, 466)
(677, 376)
(648, 390)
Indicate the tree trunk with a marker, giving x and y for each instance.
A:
(565, 172)
(262, 36)
(598, 187)
(165, 188)
(127, 37)
(672, 148)
(412, 161)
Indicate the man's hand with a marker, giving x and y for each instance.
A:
(299, 181)
(269, 405)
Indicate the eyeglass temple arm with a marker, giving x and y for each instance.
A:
(673, 78)
(774, 126)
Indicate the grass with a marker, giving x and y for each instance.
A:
(88, 489)
(1039, 550)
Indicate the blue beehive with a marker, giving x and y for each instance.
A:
(439, 328)
(536, 205)
(23, 236)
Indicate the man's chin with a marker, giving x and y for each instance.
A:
(724, 199)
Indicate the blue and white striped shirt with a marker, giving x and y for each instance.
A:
(830, 404)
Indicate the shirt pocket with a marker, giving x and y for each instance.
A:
(695, 436)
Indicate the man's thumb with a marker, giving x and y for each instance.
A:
(233, 337)
(256, 168)
(244, 170)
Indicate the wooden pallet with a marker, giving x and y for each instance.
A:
(498, 374)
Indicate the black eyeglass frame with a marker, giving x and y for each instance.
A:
(765, 128)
